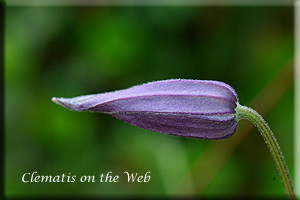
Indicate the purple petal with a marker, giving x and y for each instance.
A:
(189, 108)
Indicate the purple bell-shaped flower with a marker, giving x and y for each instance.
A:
(188, 108)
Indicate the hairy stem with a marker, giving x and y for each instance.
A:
(243, 112)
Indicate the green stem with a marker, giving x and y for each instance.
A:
(243, 112)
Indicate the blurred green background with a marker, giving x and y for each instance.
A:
(71, 51)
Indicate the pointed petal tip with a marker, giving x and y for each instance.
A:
(54, 99)
(57, 101)
(68, 103)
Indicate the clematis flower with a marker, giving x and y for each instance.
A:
(188, 108)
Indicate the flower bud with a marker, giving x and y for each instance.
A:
(188, 108)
